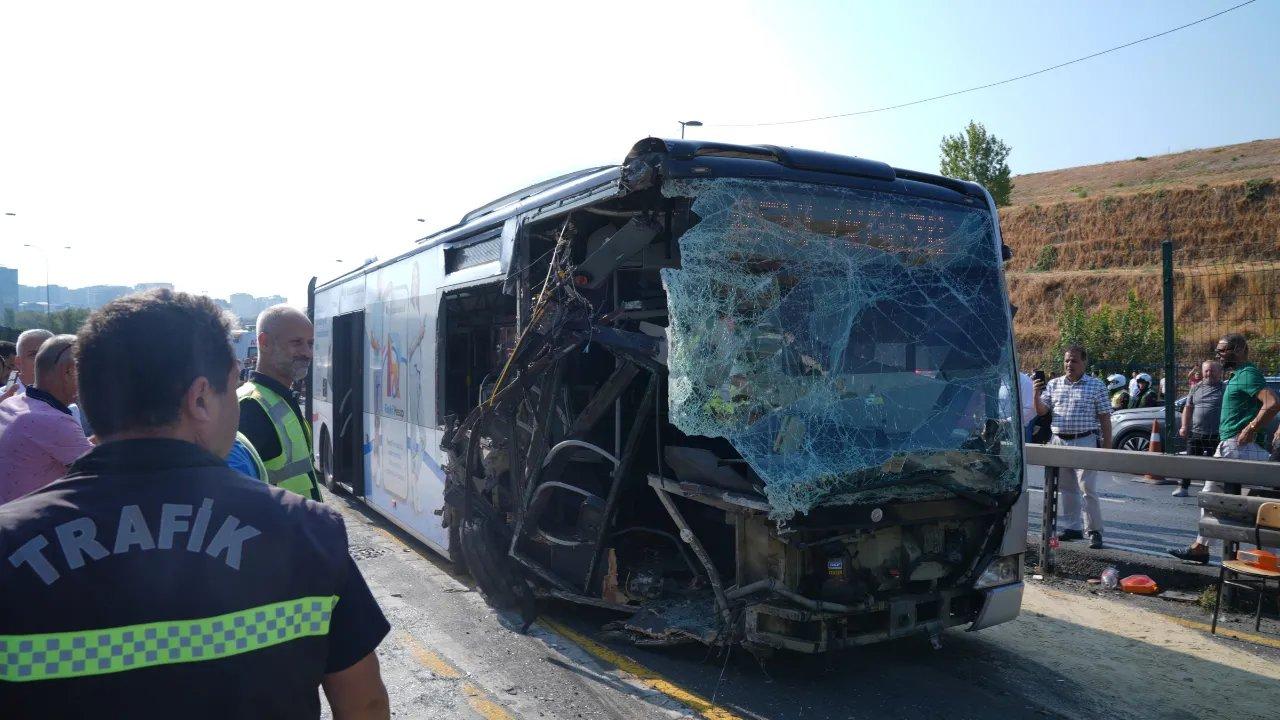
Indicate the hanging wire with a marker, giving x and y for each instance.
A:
(985, 86)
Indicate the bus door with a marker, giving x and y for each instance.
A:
(348, 402)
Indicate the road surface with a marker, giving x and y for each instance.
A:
(1070, 654)
(1137, 516)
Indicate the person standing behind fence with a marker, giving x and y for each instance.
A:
(1145, 395)
(1119, 393)
(1247, 406)
(1081, 418)
(1200, 416)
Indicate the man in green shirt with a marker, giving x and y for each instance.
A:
(1247, 406)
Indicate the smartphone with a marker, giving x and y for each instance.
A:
(1038, 375)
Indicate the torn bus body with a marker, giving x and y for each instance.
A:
(754, 396)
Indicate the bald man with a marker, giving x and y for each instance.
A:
(24, 361)
(39, 437)
(269, 413)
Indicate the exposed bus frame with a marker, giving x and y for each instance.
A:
(494, 555)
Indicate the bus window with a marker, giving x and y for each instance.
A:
(477, 321)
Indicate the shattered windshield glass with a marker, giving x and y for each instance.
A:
(851, 344)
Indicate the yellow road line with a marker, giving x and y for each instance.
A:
(1226, 632)
(430, 659)
(487, 708)
(436, 663)
(649, 678)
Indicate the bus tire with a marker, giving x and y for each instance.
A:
(455, 539)
(326, 460)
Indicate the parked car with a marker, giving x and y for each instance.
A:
(1131, 429)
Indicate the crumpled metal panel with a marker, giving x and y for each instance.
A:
(850, 344)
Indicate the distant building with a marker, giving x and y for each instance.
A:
(243, 305)
(8, 290)
(247, 307)
(96, 296)
(32, 297)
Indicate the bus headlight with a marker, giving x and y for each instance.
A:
(1001, 571)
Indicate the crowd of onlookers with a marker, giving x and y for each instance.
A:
(1229, 413)
(41, 428)
(179, 549)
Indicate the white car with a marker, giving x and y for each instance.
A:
(1131, 429)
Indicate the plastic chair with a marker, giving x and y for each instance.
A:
(1246, 576)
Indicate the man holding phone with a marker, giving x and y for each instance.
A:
(1081, 418)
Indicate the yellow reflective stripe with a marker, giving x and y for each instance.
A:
(51, 656)
(297, 467)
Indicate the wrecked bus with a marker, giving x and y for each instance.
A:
(739, 394)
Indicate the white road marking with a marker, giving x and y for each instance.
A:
(1103, 499)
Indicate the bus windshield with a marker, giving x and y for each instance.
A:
(851, 344)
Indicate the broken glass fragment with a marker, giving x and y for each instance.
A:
(851, 344)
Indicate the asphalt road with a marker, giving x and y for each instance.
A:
(1137, 517)
(1068, 655)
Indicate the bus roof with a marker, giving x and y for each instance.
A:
(763, 161)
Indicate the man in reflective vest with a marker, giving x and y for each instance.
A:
(269, 413)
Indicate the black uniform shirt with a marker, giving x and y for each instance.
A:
(153, 581)
(255, 424)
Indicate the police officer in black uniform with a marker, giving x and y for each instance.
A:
(153, 581)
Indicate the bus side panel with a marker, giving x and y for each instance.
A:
(402, 442)
(408, 482)
(326, 302)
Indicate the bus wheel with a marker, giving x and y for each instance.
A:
(454, 519)
(499, 579)
(326, 460)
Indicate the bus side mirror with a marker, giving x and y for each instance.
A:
(1006, 253)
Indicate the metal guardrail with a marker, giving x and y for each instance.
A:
(1231, 473)
(1189, 467)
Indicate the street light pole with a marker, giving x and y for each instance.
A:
(688, 123)
(48, 306)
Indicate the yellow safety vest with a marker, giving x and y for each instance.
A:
(293, 469)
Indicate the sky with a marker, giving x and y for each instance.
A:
(248, 146)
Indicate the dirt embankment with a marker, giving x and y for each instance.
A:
(1227, 240)
(1224, 165)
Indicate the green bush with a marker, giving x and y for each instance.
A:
(1109, 203)
(1256, 189)
(1080, 191)
(1140, 158)
(1047, 259)
(1128, 337)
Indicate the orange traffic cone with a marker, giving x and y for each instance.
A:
(1156, 446)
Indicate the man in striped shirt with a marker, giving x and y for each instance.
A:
(1081, 418)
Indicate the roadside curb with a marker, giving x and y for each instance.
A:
(1076, 561)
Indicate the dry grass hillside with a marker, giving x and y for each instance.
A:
(1095, 232)
(1213, 166)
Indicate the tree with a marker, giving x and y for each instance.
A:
(1127, 340)
(976, 155)
(68, 320)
